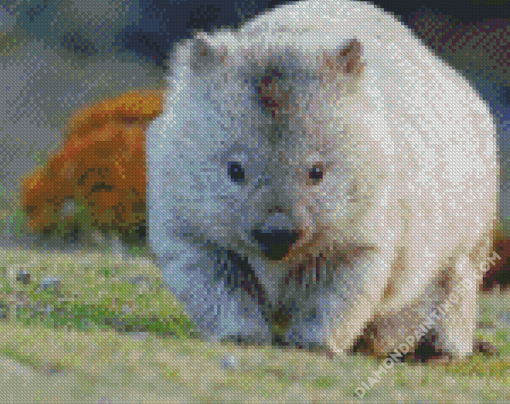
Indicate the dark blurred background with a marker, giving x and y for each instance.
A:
(149, 27)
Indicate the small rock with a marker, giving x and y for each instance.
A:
(23, 276)
(229, 362)
(50, 282)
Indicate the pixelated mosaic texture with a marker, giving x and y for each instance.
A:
(125, 149)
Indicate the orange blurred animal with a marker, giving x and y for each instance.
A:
(101, 166)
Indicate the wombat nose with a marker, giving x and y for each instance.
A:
(275, 243)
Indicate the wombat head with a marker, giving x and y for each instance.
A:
(261, 151)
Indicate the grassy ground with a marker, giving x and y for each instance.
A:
(97, 328)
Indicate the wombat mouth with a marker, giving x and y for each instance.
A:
(314, 254)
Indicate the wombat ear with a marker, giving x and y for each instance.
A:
(203, 53)
(345, 61)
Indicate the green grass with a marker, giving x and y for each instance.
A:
(93, 295)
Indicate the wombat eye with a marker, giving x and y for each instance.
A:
(235, 171)
(316, 173)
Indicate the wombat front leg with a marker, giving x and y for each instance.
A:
(412, 292)
(218, 292)
(365, 291)
(457, 314)
(448, 306)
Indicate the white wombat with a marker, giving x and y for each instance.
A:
(318, 170)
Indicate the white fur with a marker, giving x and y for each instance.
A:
(409, 189)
